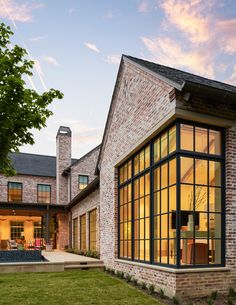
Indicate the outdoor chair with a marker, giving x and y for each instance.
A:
(38, 244)
(12, 244)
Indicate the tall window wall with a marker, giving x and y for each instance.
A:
(93, 230)
(171, 199)
(83, 232)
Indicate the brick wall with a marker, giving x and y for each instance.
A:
(141, 101)
(88, 204)
(29, 193)
(85, 166)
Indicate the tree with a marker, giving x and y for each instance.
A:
(21, 108)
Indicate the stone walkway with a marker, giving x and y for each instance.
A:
(60, 256)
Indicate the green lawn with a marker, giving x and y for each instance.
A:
(69, 288)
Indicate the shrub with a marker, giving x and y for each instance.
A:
(232, 292)
(143, 285)
(175, 300)
(128, 278)
(230, 301)
(209, 302)
(70, 250)
(162, 294)
(151, 289)
(134, 281)
(214, 295)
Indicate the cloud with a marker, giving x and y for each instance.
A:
(92, 47)
(109, 15)
(143, 6)
(226, 35)
(51, 60)
(232, 79)
(168, 52)
(191, 17)
(113, 59)
(11, 10)
(71, 10)
(37, 38)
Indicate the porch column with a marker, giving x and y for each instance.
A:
(47, 220)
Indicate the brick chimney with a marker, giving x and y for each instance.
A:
(63, 143)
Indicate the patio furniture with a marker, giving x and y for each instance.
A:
(3, 244)
(38, 243)
(201, 254)
(12, 244)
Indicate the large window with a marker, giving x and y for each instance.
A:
(14, 191)
(171, 199)
(38, 231)
(44, 193)
(17, 229)
(83, 232)
(93, 230)
(75, 233)
(83, 181)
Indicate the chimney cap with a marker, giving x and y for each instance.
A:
(64, 130)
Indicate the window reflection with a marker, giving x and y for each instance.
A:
(186, 137)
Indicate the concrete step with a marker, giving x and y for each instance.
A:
(80, 266)
(84, 262)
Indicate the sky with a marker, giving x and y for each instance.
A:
(77, 46)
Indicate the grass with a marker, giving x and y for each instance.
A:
(69, 288)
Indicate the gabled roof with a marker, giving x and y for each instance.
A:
(181, 77)
(67, 170)
(180, 80)
(35, 165)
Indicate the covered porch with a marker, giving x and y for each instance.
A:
(32, 226)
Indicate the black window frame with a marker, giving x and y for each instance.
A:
(176, 154)
(79, 183)
(8, 188)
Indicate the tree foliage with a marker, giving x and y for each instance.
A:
(21, 109)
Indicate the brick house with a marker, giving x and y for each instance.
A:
(34, 203)
(158, 197)
(167, 168)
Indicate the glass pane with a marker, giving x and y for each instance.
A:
(215, 250)
(125, 212)
(141, 164)
(141, 228)
(147, 156)
(201, 198)
(186, 168)
(141, 186)
(201, 252)
(172, 198)
(125, 172)
(172, 139)
(157, 179)
(214, 142)
(214, 199)
(125, 194)
(129, 211)
(157, 251)
(164, 251)
(201, 140)
(136, 189)
(121, 196)
(172, 251)
(136, 249)
(157, 203)
(187, 197)
(147, 206)
(164, 201)
(200, 171)
(136, 209)
(121, 175)
(172, 172)
(136, 229)
(121, 249)
(157, 150)
(164, 175)
(147, 250)
(129, 169)
(147, 228)
(164, 226)
(141, 250)
(215, 225)
(186, 137)
(172, 231)
(157, 227)
(141, 207)
(164, 145)
(147, 184)
(121, 213)
(214, 173)
(129, 193)
(136, 164)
